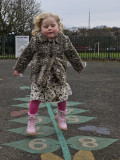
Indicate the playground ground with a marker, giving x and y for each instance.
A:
(93, 116)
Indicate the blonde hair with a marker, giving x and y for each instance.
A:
(38, 22)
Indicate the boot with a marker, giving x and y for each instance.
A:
(61, 121)
(31, 124)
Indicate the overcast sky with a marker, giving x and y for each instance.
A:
(75, 13)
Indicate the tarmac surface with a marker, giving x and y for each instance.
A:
(93, 116)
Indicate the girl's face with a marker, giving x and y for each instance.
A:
(49, 27)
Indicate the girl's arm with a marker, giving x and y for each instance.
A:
(25, 57)
(72, 56)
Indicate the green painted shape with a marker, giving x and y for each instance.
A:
(72, 111)
(27, 99)
(89, 143)
(25, 87)
(76, 119)
(35, 145)
(74, 103)
(26, 105)
(39, 120)
(68, 103)
(22, 105)
(24, 99)
(41, 131)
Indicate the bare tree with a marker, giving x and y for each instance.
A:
(16, 16)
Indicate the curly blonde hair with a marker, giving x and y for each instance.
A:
(38, 22)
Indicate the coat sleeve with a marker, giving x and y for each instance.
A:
(26, 56)
(72, 55)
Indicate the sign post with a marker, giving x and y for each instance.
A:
(21, 43)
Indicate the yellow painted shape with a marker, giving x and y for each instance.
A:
(50, 156)
(1, 79)
(83, 155)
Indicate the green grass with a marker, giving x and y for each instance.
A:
(7, 56)
(112, 56)
(100, 55)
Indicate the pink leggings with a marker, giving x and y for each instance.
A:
(34, 105)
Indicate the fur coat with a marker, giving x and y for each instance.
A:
(49, 56)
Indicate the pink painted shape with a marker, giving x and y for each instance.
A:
(18, 113)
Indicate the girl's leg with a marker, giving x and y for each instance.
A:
(62, 106)
(33, 109)
(60, 117)
(33, 106)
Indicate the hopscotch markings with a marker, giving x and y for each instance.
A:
(26, 105)
(70, 111)
(25, 87)
(25, 99)
(40, 144)
(74, 103)
(36, 145)
(73, 119)
(83, 155)
(89, 143)
(18, 113)
(61, 138)
(39, 120)
(69, 103)
(50, 156)
(41, 131)
(22, 105)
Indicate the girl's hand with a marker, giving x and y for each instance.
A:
(16, 73)
(79, 71)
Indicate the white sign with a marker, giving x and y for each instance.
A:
(21, 43)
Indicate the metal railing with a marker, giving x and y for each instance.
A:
(95, 47)
(7, 47)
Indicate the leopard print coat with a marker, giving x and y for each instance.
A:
(49, 56)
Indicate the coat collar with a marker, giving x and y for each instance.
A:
(43, 38)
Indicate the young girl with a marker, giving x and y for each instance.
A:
(48, 50)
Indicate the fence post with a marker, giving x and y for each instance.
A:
(3, 45)
(109, 47)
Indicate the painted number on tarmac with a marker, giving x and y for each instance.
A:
(38, 130)
(42, 130)
(38, 144)
(89, 143)
(72, 111)
(72, 119)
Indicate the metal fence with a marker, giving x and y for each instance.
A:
(88, 47)
(97, 47)
(7, 47)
